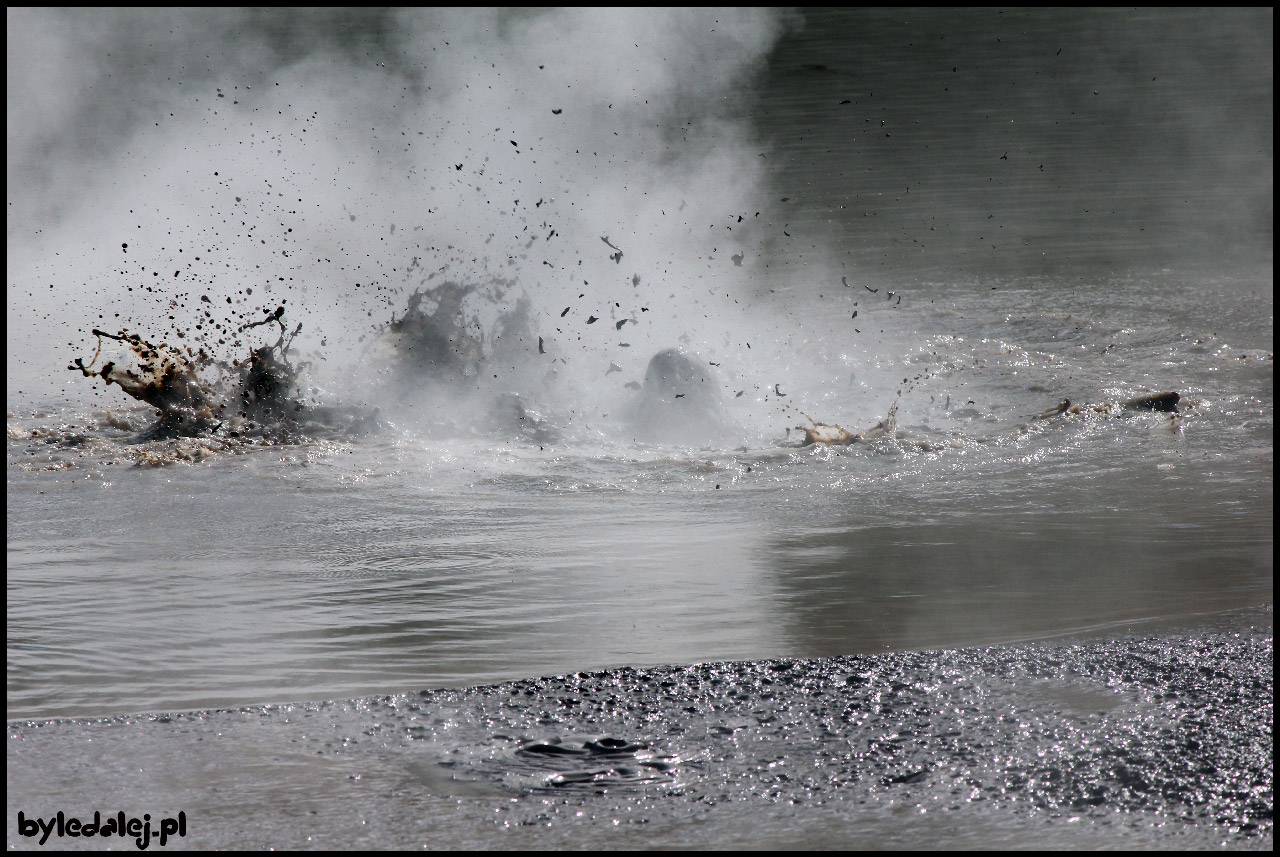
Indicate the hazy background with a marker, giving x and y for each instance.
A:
(1030, 141)
(335, 158)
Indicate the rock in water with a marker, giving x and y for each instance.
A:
(1167, 402)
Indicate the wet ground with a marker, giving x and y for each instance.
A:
(1161, 741)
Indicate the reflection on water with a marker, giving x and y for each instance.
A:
(1033, 575)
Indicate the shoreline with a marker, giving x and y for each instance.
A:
(1145, 741)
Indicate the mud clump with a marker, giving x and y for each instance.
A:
(196, 395)
(431, 336)
(164, 377)
(678, 402)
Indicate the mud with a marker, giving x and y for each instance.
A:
(679, 401)
(440, 350)
(197, 395)
(434, 336)
(1150, 742)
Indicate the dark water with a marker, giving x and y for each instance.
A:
(1024, 207)
(1024, 142)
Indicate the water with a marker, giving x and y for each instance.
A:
(1027, 241)
(336, 569)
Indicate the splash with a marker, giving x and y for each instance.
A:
(161, 375)
(1160, 402)
(441, 336)
(486, 142)
(830, 434)
(195, 394)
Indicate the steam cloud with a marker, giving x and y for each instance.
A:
(597, 159)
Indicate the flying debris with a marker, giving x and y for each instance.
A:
(196, 395)
(616, 257)
(831, 434)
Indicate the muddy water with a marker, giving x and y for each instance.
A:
(1132, 256)
(337, 569)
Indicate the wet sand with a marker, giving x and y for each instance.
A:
(1156, 741)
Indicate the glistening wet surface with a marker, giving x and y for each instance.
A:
(1142, 742)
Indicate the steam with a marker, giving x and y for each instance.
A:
(597, 161)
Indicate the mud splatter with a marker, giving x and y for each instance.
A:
(197, 395)
(163, 376)
(831, 434)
